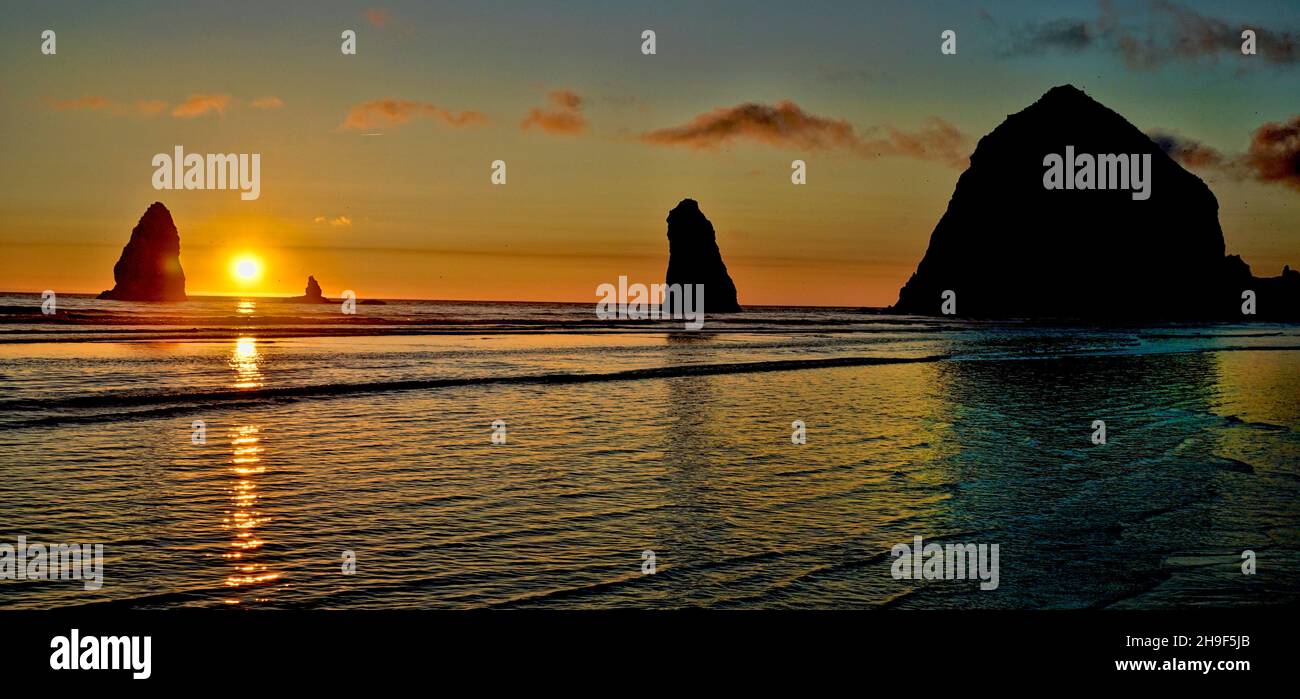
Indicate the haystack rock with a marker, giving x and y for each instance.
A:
(694, 258)
(1009, 247)
(150, 266)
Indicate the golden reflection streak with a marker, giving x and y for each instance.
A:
(243, 518)
(244, 360)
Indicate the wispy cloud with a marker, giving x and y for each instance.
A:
(1189, 152)
(786, 125)
(1273, 155)
(198, 105)
(1166, 33)
(377, 16)
(564, 118)
(268, 102)
(91, 102)
(392, 112)
(96, 103)
(335, 221)
(1068, 35)
(150, 107)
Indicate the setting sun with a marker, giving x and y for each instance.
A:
(246, 268)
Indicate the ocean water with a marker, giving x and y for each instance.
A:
(372, 434)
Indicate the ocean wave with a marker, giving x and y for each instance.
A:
(179, 402)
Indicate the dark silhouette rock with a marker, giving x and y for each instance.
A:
(694, 258)
(312, 294)
(150, 266)
(313, 288)
(1009, 247)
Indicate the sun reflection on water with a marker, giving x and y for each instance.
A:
(244, 361)
(244, 519)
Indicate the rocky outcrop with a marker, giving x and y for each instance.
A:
(694, 258)
(150, 266)
(312, 294)
(1008, 246)
(313, 289)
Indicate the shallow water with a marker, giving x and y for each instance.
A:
(375, 437)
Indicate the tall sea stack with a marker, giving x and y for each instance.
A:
(1009, 247)
(694, 258)
(150, 266)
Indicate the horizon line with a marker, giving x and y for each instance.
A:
(379, 298)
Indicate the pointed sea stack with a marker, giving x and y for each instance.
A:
(694, 258)
(312, 294)
(150, 266)
(1009, 247)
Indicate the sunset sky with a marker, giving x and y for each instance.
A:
(375, 167)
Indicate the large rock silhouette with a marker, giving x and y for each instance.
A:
(150, 266)
(1009, 247)
(694, 258)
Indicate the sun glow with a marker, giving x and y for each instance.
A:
(246, 268)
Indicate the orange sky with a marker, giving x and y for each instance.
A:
(375, 167)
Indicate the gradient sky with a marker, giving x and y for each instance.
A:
(78, 131)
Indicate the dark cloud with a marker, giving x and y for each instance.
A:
(1064, 34)
(1274, 154)
(1188, 152)
(1272, 157)
(787, 125)
(1166, 33)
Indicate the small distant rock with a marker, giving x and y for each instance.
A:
(312, 294)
